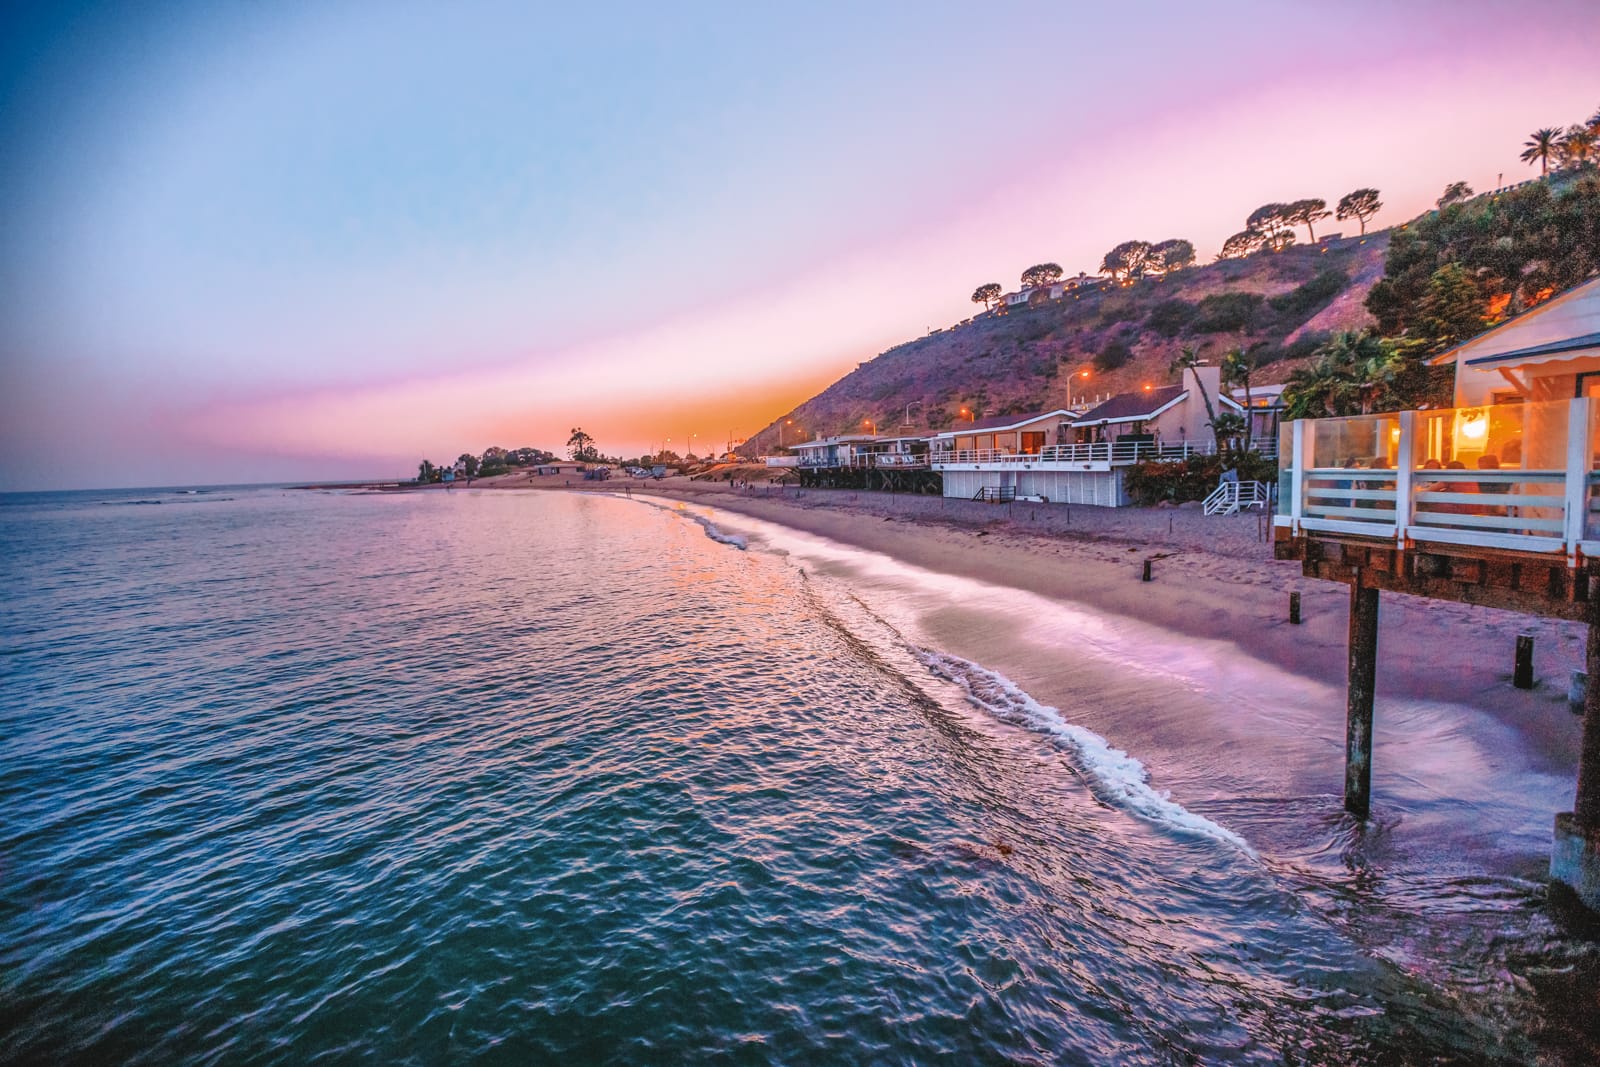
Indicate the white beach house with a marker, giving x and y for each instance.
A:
(1072, 457)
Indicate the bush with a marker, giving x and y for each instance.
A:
(1227, 312)
(1303, 346)
(1169, 317)
(1194, 478)
(1302, 301)
(1114, 355)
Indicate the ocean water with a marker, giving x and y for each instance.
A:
(299, 777)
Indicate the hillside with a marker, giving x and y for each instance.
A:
(1021, 361)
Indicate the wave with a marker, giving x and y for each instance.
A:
(1114, 776)
(711, 528)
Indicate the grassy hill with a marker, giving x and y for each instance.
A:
(1022, 361)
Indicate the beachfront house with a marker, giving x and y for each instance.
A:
(862, 461)
(1264, 405)
(1490, 502)
(1071, 457)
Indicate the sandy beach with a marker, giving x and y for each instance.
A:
(1213, 578)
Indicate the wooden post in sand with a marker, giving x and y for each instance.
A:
(1359, 699)
(1522, 673)
(1294, 608)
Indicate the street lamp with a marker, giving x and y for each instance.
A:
(871, 427)
(781, 425)
(913, 404)
(1080, 374)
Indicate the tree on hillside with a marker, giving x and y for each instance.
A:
(1243, 243)
(1455, 193)
(1452, 310)
(1543, 146)
(1594, 123)
(987, 294)
(1168, 256)
(1274, 224)
(1126, 261)
(1305, 212)
(1189, 360)
(1577, 146)
(1522, 245)
(1041, 274)
(580, 446)
(1360, 205)
(470, 463)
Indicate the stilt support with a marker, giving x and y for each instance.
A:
(1359, 699)
(1575, 859)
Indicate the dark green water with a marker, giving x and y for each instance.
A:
(527, 778)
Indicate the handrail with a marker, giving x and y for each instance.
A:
(1119, 452)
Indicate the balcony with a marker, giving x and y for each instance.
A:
(1511, 478)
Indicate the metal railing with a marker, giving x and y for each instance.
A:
(1409, 490)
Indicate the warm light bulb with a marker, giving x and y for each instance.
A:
(1475, 428)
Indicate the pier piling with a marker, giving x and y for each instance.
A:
(1575, 859)
(1359, 699)
(1522, 674)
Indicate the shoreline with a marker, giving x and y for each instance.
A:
(1214, 578)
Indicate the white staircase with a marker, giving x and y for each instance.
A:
(1232, 497)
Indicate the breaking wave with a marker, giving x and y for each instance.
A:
(1114, 776)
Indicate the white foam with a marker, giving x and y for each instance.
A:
(1115, 777)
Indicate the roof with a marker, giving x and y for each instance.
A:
(1571, 305)
(1126, 407)
(1001, 422)
(1588, 340)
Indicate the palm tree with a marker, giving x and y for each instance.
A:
(1189, 359)
(1541, 146)
(1577, 146)
(1237, 363)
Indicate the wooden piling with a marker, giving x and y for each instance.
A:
(1522, 673)
(1359, 699)
(1147, 570)
(1294, 608)
(1586, 805)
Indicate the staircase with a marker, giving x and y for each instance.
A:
(1232, 497)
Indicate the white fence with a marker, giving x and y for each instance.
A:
(1114, 452)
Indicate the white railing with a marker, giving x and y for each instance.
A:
(1115, 452)
(1542, 507)
(1232, 497)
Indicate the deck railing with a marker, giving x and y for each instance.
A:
(1518, 477)
(1114, 452)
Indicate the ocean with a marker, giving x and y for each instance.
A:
(301, 776)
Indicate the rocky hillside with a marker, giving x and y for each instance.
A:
(1123, 336)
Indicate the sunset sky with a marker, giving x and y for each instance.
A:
(325, 240)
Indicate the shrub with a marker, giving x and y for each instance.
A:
(1169, 317)
(1112, 356)
(1303, 346)
(1194, 478)
(1227, 312)
(1310, 297)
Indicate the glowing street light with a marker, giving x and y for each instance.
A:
(1081, 374)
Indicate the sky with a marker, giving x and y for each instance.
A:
(290, 241)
